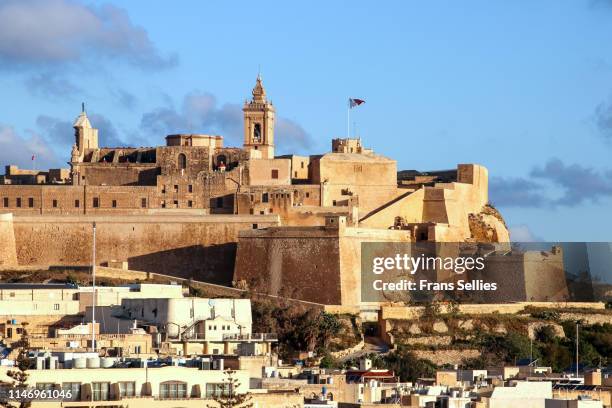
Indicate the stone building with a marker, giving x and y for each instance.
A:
(188, 208)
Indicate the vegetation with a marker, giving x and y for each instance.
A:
(227, 397)
(304, 329)
(20, 374)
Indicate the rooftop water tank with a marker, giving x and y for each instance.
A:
(93, 362)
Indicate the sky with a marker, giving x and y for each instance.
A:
(523, 88)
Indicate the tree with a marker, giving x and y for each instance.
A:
(22, 364)
(228, 397)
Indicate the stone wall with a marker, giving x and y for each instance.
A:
(198, 247)
(442, 357)
(8, 252)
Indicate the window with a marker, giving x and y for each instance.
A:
(18, 202)
(296, 174)
(163, 189)
(127, 389)
(74, 388)
(45, 386)
(307, 195)
(217, 390)
(264, 198)
(182, 161)
(96, 202)
(334, 203)
(219, 202)
(163, 204)
(274, 173)
(176, 188)
(143, 202)
(175, 203)
(302, 163)
(31, 202)
(173, 389)
(257, 133)
(189, 203)
(54, 203)
(190, 188)
(100, 391)
(6, 201)
(56, 306)
(254, 226)
(114, 203)
(77, 204)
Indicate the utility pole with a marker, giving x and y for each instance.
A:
(93, 297)
(577, 350)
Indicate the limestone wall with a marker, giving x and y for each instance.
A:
(8, 253)
(302, 263)
(200, 247)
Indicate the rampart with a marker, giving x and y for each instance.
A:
(189, 246)
(8, 252)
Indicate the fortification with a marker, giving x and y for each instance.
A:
(199, 247)
(8, 252)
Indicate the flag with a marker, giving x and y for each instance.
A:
(355, 102)
(33, 157)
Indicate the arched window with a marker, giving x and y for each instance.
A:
(257, 133)
(182, 161)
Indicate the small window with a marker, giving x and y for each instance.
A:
(307, 195)
(54, 203)
(18, 202)
(31, 202)
(295, 174)
(219, 202)
(163, 189)
(175, 203)
(127, 388)
(163, 204)
(77, 203)
(302, 163)
(114, 203)
(100, 391)
(56, 306)
(143, 202)
(189, 203)
(96, 202)
(264, 198)
(6, 201)
(254, 226)
(182, 161)
(274, 173)
(190, 188)
(176, 188)
(334, 203)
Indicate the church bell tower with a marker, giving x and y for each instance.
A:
(259, 123)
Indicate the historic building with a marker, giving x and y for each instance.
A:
(333, 200)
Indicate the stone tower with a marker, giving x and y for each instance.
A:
(86, 137)
(259, 124)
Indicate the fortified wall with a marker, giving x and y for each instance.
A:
(316, 264)
(8, 252)
(198, 247)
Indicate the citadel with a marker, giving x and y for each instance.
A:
(241, 216)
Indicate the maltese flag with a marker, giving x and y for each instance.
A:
(355, 102)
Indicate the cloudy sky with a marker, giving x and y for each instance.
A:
(523, 87)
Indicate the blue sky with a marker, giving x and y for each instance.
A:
(523, 87)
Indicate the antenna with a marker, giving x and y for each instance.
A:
(83, 107)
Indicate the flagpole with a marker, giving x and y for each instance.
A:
(348, 119)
